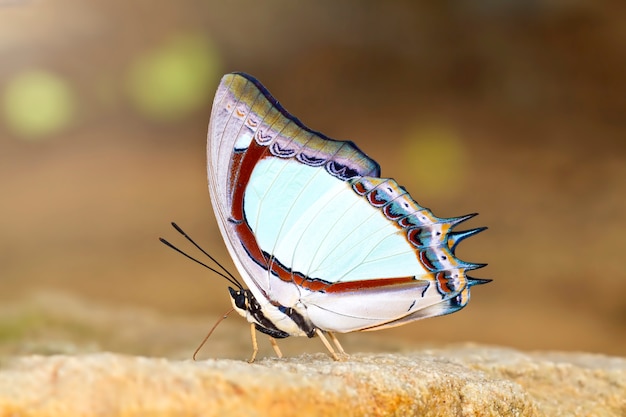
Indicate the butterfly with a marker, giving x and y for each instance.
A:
(324, 244)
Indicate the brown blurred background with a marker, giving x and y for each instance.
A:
(513, 109)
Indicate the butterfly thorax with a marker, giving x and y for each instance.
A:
(272, 319)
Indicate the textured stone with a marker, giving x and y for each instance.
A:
(455, 381)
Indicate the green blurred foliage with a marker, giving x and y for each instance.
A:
(175, 78)
(37, 103)
(436, 156)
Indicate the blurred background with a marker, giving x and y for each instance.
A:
(514, 109)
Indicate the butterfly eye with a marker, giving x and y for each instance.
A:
(239, 297)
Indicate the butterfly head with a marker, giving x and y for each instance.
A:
(240, 299)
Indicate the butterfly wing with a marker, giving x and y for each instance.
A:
(311, 225)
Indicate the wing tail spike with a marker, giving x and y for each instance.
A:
(477, 281)
(469, 266)
(453, 221)
(454, 238)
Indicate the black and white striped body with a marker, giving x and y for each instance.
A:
(276, 321)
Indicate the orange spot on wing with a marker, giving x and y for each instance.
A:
(442, 283)
(425, 261)
(359, 188)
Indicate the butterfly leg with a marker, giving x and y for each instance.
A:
(276, 348)
(336, 343)
(255, 346)
(319, 333)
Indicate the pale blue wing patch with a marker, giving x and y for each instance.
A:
(316, 225)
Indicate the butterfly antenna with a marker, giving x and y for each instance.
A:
(182, 232)
(228, 277)
(195, 353)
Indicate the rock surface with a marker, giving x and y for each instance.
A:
(456, 381)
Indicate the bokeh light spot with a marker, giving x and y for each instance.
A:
(436, 156)
(175, 78)
(37, 103)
